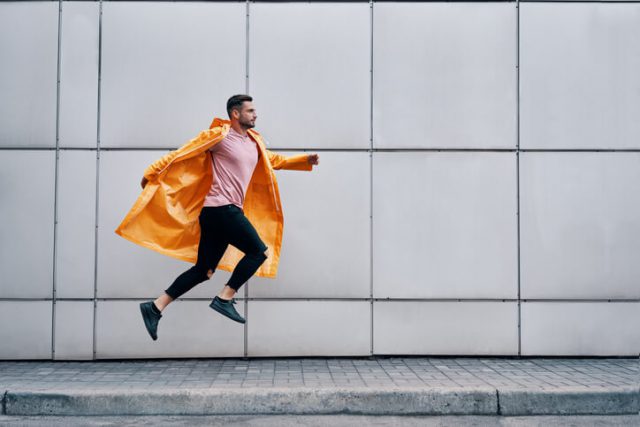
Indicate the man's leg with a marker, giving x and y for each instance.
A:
(245, 237)
(210, 249)
(212, 245)
(242, 235)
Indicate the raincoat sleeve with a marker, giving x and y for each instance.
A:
(298, 162)
(154, 169)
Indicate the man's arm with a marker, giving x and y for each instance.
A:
(152, 171)
(303, 162)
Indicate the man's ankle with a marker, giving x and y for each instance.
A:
(155, 308)
(227, 293)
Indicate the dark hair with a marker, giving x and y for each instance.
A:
(235, 102)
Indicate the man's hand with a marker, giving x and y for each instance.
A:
(144, 182)
(313, 159)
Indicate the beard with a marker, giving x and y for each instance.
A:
(246, 124)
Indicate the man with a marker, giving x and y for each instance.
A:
(202, 191)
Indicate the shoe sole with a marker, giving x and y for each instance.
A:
(224, 313)
(146, 323)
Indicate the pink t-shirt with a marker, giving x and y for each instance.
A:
(234, 160)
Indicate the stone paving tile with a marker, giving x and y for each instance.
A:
(538, 373)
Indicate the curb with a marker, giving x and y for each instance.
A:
(387, 401)
(362, 401)
(570, 402)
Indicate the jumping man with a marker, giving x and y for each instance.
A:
(207, 195)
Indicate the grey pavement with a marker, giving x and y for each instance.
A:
(326, 421)
(369, 386)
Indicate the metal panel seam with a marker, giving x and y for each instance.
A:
(95, 251)
(518, 174)
(55, 189)
(246, 83)
(371, 11)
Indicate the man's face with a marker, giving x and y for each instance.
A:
(247, 115)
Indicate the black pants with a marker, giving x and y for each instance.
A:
(221, 226)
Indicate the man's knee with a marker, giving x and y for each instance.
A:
(203, 272)
(262, 256)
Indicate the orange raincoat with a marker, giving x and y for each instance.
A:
(165, 215)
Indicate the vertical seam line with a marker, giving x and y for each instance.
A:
(246, 86)
(54, 272)
(518, 172)
(95, 251)
(371, 6)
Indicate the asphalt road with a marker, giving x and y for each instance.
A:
(328, 421)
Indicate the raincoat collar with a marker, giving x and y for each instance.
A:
(218, 122)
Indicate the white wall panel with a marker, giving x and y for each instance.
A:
(75, 257)
(26, 229)
(444, 225)
(309, 328)
(444, 75)
(29, 58)
(74, 330)
(168, 68)
(326, 243)
(126, 270)
(580, 225)
(186, 329)
(25, 329)
(309, 73)
(580, 75)
(79, 74)
(580, 328)
(465, 328)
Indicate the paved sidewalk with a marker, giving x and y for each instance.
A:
(391, 386)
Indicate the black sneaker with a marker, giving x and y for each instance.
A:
(226, 309)
(151, 318)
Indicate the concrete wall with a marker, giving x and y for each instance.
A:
(478, 192)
